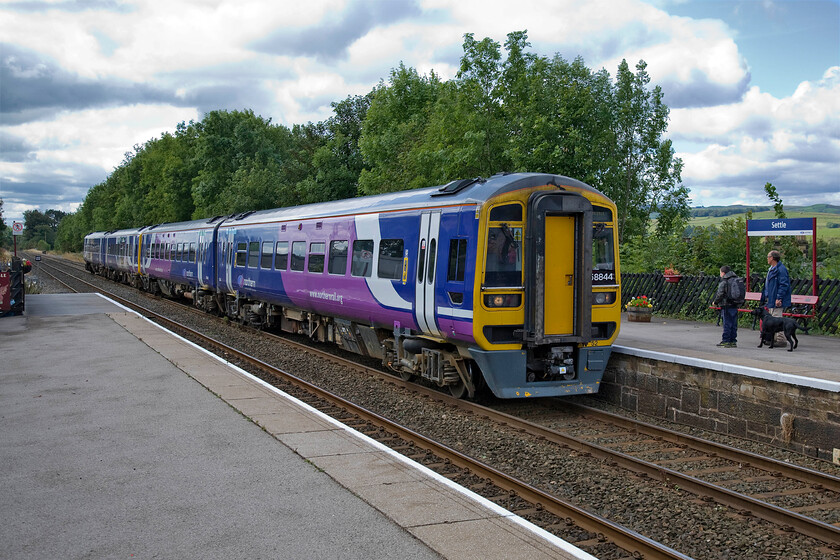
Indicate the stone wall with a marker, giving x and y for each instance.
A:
(803, 419)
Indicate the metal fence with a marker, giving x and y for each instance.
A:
(691, 297)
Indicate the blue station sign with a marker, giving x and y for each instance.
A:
(788, 226)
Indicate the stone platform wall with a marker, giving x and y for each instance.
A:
(799, 418)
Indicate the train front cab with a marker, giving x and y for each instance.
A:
(544, 328)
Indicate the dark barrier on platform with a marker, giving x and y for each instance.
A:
(12, 289)
(692, 295)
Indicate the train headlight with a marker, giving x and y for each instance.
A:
(603, 298)
(502, 300)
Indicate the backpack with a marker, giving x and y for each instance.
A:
(736, 291)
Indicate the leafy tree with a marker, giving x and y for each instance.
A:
(71, 233)
(226, 142)
(337, 163)
(395, 124)
(2, 223)
(40, 228)
(778, 207)
(647, 175)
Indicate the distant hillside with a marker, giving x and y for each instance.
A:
(721, 211)
(827, 215)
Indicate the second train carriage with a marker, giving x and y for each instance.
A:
(512, 281)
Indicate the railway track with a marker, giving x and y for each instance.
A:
(577, 429)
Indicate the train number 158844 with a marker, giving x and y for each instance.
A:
(603, 276)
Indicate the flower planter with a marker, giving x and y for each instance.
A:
(673, 278)
(639, 314)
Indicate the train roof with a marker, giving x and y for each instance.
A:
(112, 233)
(205, 223)
(465, 191)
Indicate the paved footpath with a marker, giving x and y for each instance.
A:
(120, 440)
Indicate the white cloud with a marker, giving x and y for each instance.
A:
(781, 140)
(95, 137)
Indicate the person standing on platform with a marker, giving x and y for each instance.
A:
(776, 294)
(728, 307)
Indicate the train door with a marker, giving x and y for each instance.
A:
(559, 280)
(424, 292)
(559, 268)
(224, 255)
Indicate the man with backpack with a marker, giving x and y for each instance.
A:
(730, 295)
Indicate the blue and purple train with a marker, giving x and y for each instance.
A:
(510, 282)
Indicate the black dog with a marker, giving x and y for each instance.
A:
(771, 325)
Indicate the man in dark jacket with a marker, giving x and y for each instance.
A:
(728, 308)
(776, 294)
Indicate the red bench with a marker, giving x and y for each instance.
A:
(802, 308)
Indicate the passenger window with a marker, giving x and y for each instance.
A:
(281, 255)
(362, 263)
(298, 255)
(241, 254)
(338, 257)
(316, 257)
(192, 252)
(457, 260)
(390, 259)
(267, 254)
(253, 254)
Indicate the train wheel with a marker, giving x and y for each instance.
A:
(461, 390)
(458, 390)
(406, 375)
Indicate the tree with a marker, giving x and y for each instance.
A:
(226, 142)
(394, 126)
(778, 207)
(646, 174)
(338, 162)
(2, 223)
(40, 228)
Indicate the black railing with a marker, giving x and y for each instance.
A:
(691, 297)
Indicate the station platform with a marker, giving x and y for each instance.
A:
(812, 364)
(121, 439)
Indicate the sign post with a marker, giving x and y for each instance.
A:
(788, 226)
(17, 229)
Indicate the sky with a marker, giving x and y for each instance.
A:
(753, 85)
